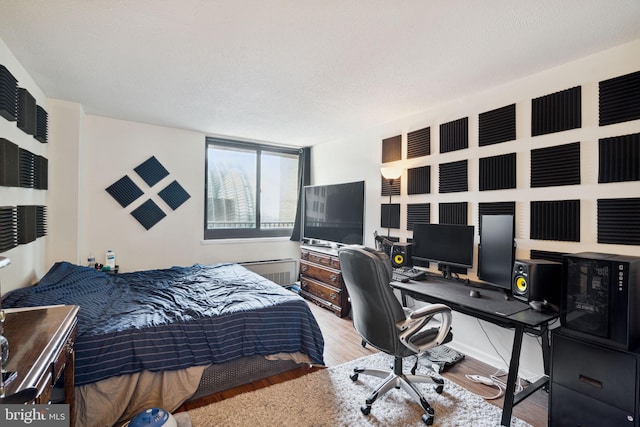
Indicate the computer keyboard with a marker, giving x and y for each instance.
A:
(408, 273)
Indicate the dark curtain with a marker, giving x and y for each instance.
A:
(304, 178)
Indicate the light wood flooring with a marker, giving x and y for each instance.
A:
(343, 344)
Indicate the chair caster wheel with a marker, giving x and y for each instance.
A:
(439, 389)
(427, 419)
(354, 377)
(365, 409)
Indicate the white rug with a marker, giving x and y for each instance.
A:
(330, 398)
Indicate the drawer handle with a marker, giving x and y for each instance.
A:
(303, 268)
(590, 381)
(333, 277)
(334, 296)
(304, 285)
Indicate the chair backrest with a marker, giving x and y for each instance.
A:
(375, 308)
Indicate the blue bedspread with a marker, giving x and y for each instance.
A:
(174, 318)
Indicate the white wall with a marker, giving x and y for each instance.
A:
(359, 157)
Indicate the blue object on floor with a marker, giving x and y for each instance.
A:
(154, 417)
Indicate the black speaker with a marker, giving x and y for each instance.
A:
(536, 280)
(401, 255)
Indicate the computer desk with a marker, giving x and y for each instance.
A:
(492, 306)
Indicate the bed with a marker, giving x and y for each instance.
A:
(157, 337)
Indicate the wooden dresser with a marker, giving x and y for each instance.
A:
(41, 350)
(321, 279)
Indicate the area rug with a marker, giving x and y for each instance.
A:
(329, 398)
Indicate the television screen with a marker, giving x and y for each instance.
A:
(334, 213)
(448, 245)
(496, 251)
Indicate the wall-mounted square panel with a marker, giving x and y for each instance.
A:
(124, 191)
(392, 149)
(496, 208)
(555, 220)
(619, 99)
(619, 158)
(557, 112)
(26, 111)
(174, 195)
(27, 224)
(497, 126)
(390, 186)
(8, 228)
(27, 169)
(554, 166)
(151, 171)
(418, 213)
(41, 173)
(453, 177)
(9, 163)
(41, 221)
(390, 215)
(419, 143)
(618, 221)
(8, 95)
(497, 172)
(148, 214)
(42, 124)
(454, 135)
(419, 180)
(453, 213)
(547, 255)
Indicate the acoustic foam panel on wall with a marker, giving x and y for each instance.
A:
(497, 126)
(26, 169)
(419, 180)
(453, 177)
(547, 255)
(619, 158)
(392, 149)
(418, 213)
(9, 163)
(619, 99)
(390, 215)
(556, 112)
(26, 111)
(554, 166)
(8, 228)
(41, 173)
(454, 135)
(27, 224)
(497, 172)
(124, 191)
(555, 220)
(496, 208)
(174, 195)
(8, 95)
(41, 221)
(419, 143)
(453, 213)
(618, 221)
(42, 124)
(151, 171)
(148, 214)
(388, 187)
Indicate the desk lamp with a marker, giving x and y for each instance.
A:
(390, 173)
(4, 344)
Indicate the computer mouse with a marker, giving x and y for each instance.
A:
(474, 293)
(404, 279)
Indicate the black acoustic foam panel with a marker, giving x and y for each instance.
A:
(390, 186)
(9, 163)
(419, 180)
(419, 143)
(618, 221)
(124, 191)
(151, 171)
(390, 215)
(148, 214)
(453, 213)
(454, 135)
(453, 177)
(8, 228)
(27, 224)
(27, 169)
(392, 149)
(496, 208)
(42, 124)
(619, 99)
(554, 166)
(8, 95)
(418, 213)
(548, 255)
(555, 220)
(497, 126)
(26, 111)
(41, 173)
(174, 195)
(497, 172)
(556, 112)
(619, 158)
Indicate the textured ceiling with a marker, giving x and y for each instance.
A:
(296, 72)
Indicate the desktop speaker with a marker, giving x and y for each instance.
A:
(401, 255)
(536, 280)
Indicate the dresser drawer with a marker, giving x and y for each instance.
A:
(602, 373)
(322, 273)
(322, 259)
(319, 289)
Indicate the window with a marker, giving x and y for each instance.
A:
(251, 190)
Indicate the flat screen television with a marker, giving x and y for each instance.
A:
(334, 213)
(448, 245)
(496, 252)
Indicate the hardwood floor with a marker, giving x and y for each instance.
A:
(343, 344)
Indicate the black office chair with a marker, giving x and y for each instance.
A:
(384, 324)
(23, 396)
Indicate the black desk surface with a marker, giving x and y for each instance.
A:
(492, 305)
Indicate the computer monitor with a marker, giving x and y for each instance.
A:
(448, 245)
(496, 251)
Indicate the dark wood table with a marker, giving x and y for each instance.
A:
(41, 350)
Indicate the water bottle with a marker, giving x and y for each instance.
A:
(110, 259)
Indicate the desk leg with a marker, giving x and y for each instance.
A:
(513, 376)
(403, 296)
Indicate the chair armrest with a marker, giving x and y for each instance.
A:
(418, 319)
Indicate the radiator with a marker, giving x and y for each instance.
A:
(281, 271)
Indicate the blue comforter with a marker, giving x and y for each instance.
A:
(174, 318)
